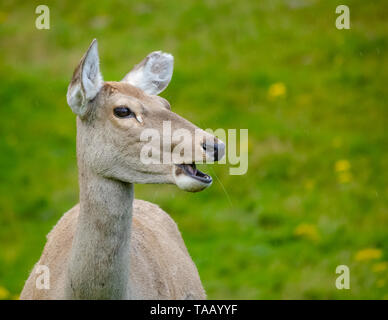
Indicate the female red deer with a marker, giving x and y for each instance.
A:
(111, 246)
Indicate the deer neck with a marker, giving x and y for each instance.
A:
(99, 262)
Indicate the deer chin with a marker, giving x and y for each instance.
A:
(189, 178)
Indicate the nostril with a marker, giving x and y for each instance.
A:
(216, 152)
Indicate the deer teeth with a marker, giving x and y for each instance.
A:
(191, 170)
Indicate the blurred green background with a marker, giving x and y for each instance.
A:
(314, 99)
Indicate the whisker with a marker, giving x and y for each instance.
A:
(222, 185)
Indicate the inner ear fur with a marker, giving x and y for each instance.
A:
(153, 73)
(86, 82)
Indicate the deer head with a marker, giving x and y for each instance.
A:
(113, 115)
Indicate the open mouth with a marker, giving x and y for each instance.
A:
(192, 171)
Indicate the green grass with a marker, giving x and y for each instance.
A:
(280, 230)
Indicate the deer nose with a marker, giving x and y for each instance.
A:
(216, 150)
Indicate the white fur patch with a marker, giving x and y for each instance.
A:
(91, 76)
(75, 98)
(154, 75)
(187, 183)
(79, 93)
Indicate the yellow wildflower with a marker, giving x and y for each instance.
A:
(337, 142)
(304, 99)
(309, 184)
(380, 283)
(344, 177)
(4, 293)
(368, 254)
(277, 90)
(379, 267)
(306, 230)
(342, 165)
(3, 16)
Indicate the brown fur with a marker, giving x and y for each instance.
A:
(111, 246)
(157, 255)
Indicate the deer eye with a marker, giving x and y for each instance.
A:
(123, 112)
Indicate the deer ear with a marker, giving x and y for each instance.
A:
(153, 74)
(86, 82)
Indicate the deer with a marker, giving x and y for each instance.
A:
(111, 245)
